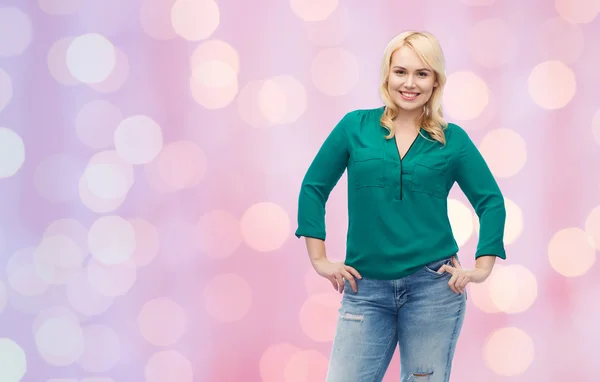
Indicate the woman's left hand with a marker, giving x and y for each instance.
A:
(461, 276)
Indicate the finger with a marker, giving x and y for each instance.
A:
(455, 262)
(354, 272)
(340, 282)
(446, 268)
(463, 284)
(351, 280)
(452, 283)
(334, 283)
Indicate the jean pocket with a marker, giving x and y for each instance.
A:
(435, 266)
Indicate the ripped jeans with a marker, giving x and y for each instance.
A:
(419, 312)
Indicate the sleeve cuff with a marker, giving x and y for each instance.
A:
(501, 253)
(316, 235)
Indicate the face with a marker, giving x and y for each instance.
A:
(410, 82)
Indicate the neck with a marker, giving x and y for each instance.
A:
(406, 120)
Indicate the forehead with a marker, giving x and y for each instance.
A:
(407, 58)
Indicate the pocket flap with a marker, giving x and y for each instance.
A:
(365, 154)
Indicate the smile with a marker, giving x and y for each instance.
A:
(409, 96)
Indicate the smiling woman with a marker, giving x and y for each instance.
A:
(402, 281)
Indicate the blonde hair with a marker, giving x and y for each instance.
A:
(426, 46)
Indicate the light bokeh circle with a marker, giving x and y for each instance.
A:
(466, 95)
(554, 94)
(12, 152)
(13, 362)
(509, 352)
(265, 226)
(91, 58)
(571, 252)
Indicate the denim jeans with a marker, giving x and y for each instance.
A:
(419, 312)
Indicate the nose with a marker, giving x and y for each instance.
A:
(410, 82)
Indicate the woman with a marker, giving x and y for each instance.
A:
(402, 282)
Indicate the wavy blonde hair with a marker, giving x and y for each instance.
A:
(427, 47)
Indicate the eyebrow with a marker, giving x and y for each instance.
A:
(418, 70)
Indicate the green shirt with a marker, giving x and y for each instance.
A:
(397, 209)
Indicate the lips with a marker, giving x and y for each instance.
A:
(409, 96)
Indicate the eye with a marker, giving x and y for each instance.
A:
(423, 74)
(399, 72)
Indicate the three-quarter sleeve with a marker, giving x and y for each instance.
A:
(475, 179)
(321, 177)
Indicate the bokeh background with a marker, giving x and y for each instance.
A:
(151, 152)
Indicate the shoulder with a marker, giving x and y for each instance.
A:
(455, 134)
(358, 120)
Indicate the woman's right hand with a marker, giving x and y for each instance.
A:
(336, 272)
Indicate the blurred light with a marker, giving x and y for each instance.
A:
(6, 89)
(461, 221)
(117, 78)
(138, 139)
(22, 275)
(3, 297)
(55, 178)
(592, 227)
(492, 42)
(97, 122)
(168, 365)
(309, 10)
(162, 321)
(147, 241)
(105, 182)
(273, 361)
(91, 58)
(12, 153)
(16, 31)
(332, 31)
(195, 20)
(111, 240)
(214, 93)
(59, 7)
(180, 165)
(71, 228)
(217, 234)
(59, 341)
(335, 71)
(215, 51)
(481, 294)
(155, 17)
(83, 298)
(102, 349)
(505, 152)
(318, 316)
(265, 226)
(13, 363)
(571, 252)
(553, 94)
(248, 107)
(57, 258)
(111, 280)
(509, 352)
(57, 62)
(513, 288)
(578, 11)
(465, 95)
(306, 366)
(558, 39)
(227, 297)
(282, 99)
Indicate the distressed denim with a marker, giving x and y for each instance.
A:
(419, 312)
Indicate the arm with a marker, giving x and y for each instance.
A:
(479, 186)
(321, 177)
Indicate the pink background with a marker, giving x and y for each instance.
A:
(151, 152)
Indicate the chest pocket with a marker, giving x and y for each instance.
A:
(429, 176)
(367, 167)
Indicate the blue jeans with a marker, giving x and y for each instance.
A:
(418, 312)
